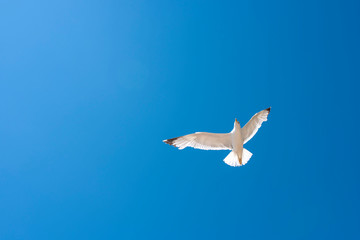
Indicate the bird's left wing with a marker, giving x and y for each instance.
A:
(202, 140)
(250, 129)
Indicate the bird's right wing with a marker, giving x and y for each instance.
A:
(250, 129)
(202, 140)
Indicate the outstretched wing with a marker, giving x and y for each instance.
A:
(202, 140)
(250, 129)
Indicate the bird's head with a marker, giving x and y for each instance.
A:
(236, 123)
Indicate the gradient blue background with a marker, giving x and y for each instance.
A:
(89, 89)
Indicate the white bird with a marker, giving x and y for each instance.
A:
(225, 141)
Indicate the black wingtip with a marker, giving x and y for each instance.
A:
(170, 141)
(268, 109)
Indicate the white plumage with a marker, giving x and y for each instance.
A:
(225, 141)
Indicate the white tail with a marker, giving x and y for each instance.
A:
(246, 156)
(232, 158)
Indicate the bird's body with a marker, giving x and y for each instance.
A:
(237, 141)
(225, 141)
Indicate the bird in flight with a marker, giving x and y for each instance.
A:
(233, 140)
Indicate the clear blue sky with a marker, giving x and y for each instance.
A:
(89, 89)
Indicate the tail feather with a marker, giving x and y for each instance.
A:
(233, 160)
(246, 155)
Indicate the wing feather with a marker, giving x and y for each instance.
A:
(250, 129)
(202, 140)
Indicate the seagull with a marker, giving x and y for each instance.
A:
(233, 140)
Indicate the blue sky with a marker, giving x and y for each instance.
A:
(89, 89)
